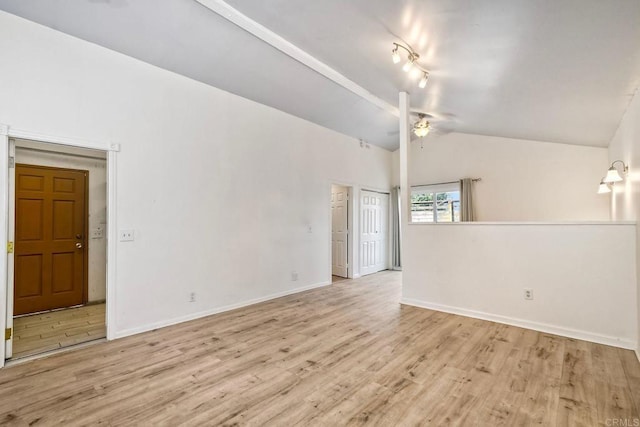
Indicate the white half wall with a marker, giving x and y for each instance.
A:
(521, 180)
(625, 199)
(583, 276)
(97, 262)
(227, 197)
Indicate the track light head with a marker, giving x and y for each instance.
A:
(395, 55)
(423, 81)
(409, 64)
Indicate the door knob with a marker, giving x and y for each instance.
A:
(79, 245)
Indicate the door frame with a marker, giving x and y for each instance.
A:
(85, 231)
(350, 227)
(7, 177)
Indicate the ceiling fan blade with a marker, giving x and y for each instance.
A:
(433, 116)
(441, 131)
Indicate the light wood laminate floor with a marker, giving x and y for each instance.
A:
(42, 332)
(335, 279)
(346, 354)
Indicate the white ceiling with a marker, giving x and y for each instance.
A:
(550, 70)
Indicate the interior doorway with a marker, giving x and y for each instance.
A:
(340, 239)
(374, 225)
(58, 221)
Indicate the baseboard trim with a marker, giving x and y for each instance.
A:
(527, 324)
(638, 354)
(205, 313)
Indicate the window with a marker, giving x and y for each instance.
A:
(435, 203)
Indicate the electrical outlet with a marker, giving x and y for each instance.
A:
(528, 293)
(127, 235)
(97, 233)
(192, 297)
(294, 276)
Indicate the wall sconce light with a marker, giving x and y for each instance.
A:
(613, 175)
(412, 59)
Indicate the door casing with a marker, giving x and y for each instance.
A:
(6, 174)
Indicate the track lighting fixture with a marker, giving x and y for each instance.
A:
(412, 59)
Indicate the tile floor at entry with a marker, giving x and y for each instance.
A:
(42, 332)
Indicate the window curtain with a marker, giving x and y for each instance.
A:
(466, 200)
(395, 228)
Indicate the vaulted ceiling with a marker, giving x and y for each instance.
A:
(550, 70)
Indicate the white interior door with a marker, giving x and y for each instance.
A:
(374, 208)
(339, 230)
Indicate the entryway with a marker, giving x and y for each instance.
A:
(52, 330)
(59, 198)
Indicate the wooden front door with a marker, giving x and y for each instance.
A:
(50, 247)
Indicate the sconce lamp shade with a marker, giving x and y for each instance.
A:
(603, 188)
(612, 175)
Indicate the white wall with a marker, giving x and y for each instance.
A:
(583, 276)
(97, 261)
(521, 180)
(625, 145)
(227, 197)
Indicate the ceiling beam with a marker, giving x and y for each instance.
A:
(236, 17)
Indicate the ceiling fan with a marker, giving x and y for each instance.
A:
(422, 127)
(428, 123)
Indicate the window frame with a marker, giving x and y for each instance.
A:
(434, 189)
